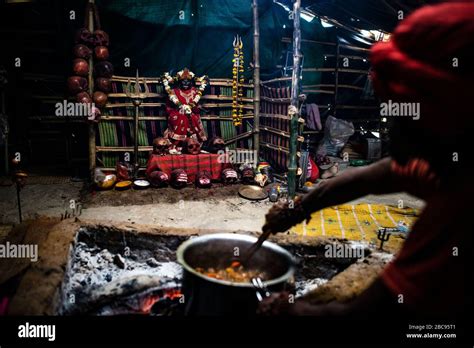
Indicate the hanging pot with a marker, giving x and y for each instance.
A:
(84, 36)
(76, 84)
(101, 53)
(100, 99)
(80, 67)
(81, 51)
(104, 69)
(84, 98)
(101, 38)
(103, 84)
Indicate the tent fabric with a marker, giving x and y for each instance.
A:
(160, 36)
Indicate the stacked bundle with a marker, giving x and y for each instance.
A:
(90, 44)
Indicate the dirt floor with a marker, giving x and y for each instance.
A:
(218, 208)
(187, 211)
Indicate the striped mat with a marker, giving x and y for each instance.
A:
(358, 222)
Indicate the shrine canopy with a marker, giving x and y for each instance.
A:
(162, 35)
(159, 36)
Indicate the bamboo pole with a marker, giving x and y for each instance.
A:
(336, 88)
(353, 71)
(164, 118)
(276, 131)
(282, 117)
(3, 114)
(150, 105)
(256, 78)
(292, 165)
(238, 137)
(123, 148)
(279, 79)
(275, 147)
(213, 81)
(332, 85)
(92, 130)
(350, 47)
(136, 121)
(315, 91)
(288, 40)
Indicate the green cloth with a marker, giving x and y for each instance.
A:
(160, 35)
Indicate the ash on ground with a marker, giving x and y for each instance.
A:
(303, 287)
(96, 275)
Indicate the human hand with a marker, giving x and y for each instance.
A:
(284, 215)
(283, 303)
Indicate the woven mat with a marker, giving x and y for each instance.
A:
(358, 222)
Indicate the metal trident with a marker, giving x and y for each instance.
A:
(136, 93)
(238, 44)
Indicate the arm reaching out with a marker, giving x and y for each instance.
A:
(350, 185)
(353, 183)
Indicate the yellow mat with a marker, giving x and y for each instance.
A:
(358, 222)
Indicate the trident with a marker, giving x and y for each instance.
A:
(137, 95)
(237, 43)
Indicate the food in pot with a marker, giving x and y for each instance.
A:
(236, 273)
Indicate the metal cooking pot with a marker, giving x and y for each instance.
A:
(204, 295)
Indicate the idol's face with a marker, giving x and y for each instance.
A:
(186, 84)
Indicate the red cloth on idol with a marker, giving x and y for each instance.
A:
(192, 164)
(180, 124)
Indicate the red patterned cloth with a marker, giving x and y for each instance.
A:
(192, 164)
(181, 125)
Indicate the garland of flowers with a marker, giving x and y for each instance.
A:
(237, 84)
(241, 84)
(167, 79)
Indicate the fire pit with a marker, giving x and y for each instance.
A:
(113, 272)
(117, 272)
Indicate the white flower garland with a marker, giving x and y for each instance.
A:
(167, 79)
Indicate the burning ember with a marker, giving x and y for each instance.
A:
(120, 276)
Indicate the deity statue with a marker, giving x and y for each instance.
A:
(184, 120)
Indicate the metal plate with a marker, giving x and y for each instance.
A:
(141, 184)
(255, 193)
(123, 185)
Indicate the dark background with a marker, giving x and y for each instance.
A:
(154, 38)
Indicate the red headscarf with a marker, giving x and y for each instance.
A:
(418, 65)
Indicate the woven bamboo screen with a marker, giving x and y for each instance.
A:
(115, 129)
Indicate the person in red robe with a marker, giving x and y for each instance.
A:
(428, 60)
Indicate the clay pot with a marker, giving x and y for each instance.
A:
(101, 53)
(76, 84)
(80, 67)
(84, 98)
(104, 69)
(103, 84)
(84, 36)
(100, 99)
(81, 51)
(101, 38)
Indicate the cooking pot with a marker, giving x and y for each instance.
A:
(204, 295)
